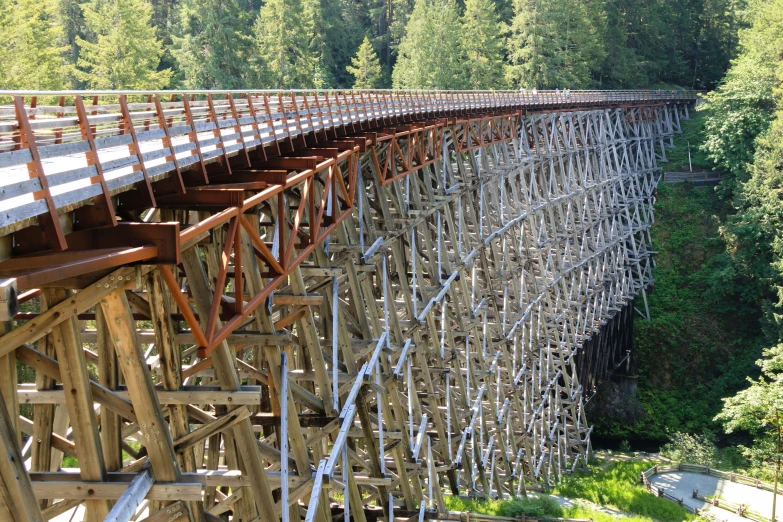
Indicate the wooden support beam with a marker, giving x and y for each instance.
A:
(17, 499)
(246, 441)
(188, 491)
(154, 429)
(79, 401)
(53, 369)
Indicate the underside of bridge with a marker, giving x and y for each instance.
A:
(248, 306)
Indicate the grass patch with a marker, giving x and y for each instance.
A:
(618, 486)
(693, 133)
(533, 507)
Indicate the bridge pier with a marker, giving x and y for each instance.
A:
(361, 312)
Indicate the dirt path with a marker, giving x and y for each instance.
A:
(682, 483)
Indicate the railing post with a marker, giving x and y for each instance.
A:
(50, 221)
(88, 134)
(192, 137)
(133, 148)
(238, 127)
(218, 134)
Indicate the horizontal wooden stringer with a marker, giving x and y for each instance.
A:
(353, 302)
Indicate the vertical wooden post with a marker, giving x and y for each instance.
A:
(17, 501)
(108, 376)
(78, 399)
(149, 415)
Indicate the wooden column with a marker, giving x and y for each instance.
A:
(76, 382)
(17, 501)
(149, 415)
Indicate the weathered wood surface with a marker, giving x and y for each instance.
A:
(159, 133)
(434, 294)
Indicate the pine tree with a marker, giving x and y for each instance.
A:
(555, 43)
(212, 51)
(124, 53)
(430, 55)
(343, 26)
(366, 69)
(32, 54)
(287, 47)
(481, 42)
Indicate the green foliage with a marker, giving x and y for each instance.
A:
(693, 134)
(32, 50)
(365, 68)
(482, 45)
(691, 449)
(310, 43)
(555, 43)
(740, 110)
(618, 486)
(287, 46)
(123, 52)
(213, 46)
(742, 107)
(753, 234)
(539, 506)
(758, 409)
(430, 56)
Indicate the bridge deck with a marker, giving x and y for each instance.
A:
(140, 137)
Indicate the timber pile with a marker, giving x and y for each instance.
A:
(352, 321)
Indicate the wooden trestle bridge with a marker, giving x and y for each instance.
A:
(262, 305)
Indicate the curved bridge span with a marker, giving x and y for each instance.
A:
(264, 305)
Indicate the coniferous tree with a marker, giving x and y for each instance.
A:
(430, 55)
(555, 43)
(72, 22)
(32, 55)
(366, 69)
(124, 53)
(482, 45)
(343, 27)
(214, 43)
(286, 46)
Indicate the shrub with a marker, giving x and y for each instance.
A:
(692, 449)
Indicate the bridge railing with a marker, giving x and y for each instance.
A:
(59, 149)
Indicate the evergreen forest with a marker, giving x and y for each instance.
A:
(444, 44)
